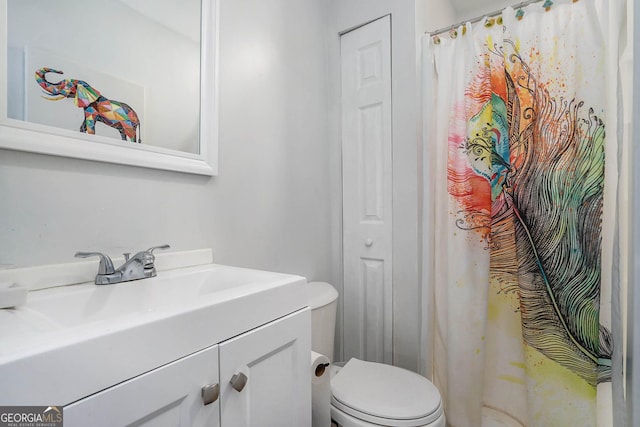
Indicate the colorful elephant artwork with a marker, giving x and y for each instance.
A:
(96, 107)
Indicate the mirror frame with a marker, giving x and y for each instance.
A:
(32, 137)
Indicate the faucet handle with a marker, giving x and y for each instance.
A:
(150, 250)
(149, 260)
(106, 265)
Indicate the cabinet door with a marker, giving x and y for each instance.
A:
(168, 396)
(275, 362)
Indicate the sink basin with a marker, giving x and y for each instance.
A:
(172, 291)
(86, 334)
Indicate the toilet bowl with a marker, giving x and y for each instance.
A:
(366, 394)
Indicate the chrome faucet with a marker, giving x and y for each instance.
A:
(139, 266)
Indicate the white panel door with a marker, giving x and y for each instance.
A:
(169, 396)
(367, 191)
(265, 377)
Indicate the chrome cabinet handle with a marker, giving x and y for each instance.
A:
(238, 381)
(210, 393)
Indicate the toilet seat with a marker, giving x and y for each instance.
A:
(385, 395)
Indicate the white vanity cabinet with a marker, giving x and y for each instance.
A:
(263, 377)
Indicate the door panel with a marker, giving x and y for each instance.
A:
(367, 191)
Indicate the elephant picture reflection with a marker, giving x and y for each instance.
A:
(97, 108)
(131, 68)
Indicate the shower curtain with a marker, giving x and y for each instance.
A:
(522, 117)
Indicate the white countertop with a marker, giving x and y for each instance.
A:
(70, 341)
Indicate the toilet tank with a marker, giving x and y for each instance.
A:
(323, 301)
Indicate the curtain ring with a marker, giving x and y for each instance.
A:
(453, 33)
(547, 5)
(499, 20)
(436, 40)
(519, 14)
(489, 22)
(464, 29)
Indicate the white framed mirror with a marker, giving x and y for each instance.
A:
(131, 82)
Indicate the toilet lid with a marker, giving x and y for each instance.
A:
(385, 394)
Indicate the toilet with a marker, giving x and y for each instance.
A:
(368, 394)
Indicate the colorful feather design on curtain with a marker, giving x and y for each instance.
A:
(557, 196)
(542, 161)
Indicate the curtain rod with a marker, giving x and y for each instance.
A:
(479, 18)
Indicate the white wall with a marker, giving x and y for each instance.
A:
(271, 200)
(467, 10)
(268, 208)
(433, 14)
